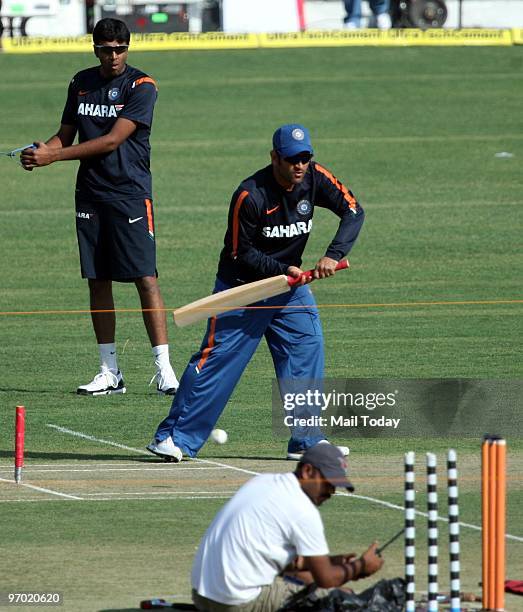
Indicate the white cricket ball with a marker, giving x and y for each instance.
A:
(219, 436)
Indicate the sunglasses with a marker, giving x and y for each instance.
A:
(108, 49)
(300, 158)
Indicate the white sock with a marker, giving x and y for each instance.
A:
(161, 356)
(108, 357)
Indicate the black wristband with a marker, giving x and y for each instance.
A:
(358, 571)
(346, 576)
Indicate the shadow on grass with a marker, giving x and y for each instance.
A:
(77, 456)
(133, 394)
(56, 456)
(36, 391)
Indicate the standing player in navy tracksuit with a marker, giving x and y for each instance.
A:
(270, 219)
(111, 108)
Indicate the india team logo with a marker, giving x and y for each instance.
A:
(298, 134)
(113, 93)
(304, 207)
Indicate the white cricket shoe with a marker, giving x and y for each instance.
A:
(165, 449)
(104, 383)
(344, 450)
(166, 381)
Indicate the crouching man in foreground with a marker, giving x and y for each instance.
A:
(270, 523)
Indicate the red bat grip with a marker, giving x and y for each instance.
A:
(341, 265)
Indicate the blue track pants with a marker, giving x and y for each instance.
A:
(295, 340)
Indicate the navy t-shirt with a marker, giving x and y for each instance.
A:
(268, 227)
(93, 106)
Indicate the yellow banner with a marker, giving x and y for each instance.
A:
(44, 44)
(182, 41)
(331, 38)
(466, 37)
(139, 42)
(394, 37)
(219, 40)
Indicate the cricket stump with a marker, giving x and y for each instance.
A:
(19, 442)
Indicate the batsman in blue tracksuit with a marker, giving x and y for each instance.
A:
(270, 219)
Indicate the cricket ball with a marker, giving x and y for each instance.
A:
(219, 436)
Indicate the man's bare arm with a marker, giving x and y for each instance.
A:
(330, 572)
(50, 152)
(63, 138)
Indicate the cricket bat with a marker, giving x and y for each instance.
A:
(240, 296)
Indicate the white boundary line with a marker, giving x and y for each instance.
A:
(79, 434)
(41, 489)
(381, 502)
(5, 466)
(253, 473)
(229, 467)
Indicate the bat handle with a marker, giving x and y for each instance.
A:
(341, 265)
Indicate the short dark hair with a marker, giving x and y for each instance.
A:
(108, 30)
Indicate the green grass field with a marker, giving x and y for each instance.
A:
(414, 133)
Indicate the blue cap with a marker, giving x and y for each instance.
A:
(291, 139)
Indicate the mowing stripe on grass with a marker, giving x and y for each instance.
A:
(271, 80)
(28, 470)
(71, 464)
(234, 144)
(168, 493)
(35, 467)
(277, 307)
(103, 499)
(188, 497)
(327, 78)
(193, 209)
(41, 489)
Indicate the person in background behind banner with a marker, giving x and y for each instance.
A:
(380, 11)
(110, 106)
(1, 26)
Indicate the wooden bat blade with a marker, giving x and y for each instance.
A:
(231, 298)
(237, 297)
